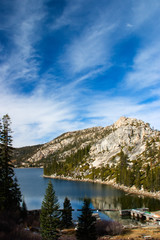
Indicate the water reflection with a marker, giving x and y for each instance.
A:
(33, 187)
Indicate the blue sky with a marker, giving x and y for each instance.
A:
(72, 64)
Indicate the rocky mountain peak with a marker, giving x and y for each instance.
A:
(124, 121)
(128, 134)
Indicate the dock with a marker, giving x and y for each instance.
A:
(138, 213)
(142, 213)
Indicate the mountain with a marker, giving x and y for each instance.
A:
(21, 155)
(127, 152)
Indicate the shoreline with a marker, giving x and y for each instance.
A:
(129, 190)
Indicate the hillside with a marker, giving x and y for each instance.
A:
(21, 155)
(127, 152)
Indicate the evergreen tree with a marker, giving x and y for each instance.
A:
(50, 215)
(17, 198)
(67, 214)
(86, 223)
(121, 173)
(2, 197)
(10, 195)
(24, 209)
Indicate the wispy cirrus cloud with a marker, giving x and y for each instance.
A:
(68, 66)
(91, 50)
(37, 118)
(142, 12)
(105, 111)
(145, 71)
(20, 63)
(93, 45)
(68, 16)
(109, 109)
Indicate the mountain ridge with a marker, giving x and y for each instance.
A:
(104, 136)
(126, 152)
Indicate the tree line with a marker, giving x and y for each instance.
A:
(66, 167)
(139, 173)
(52, 218)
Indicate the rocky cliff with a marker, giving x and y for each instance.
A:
(128, 134)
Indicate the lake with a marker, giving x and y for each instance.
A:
(33, 187)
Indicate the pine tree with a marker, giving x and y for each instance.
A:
(17, 197)
(8, 185)
(24, 209)
(50, 215)
(86, 223)
(2, 197)
(67, 214)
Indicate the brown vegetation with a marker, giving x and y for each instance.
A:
(111, 228)
(138, 233)
(13, 227)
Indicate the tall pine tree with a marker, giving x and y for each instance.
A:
(67, 214)
(50, 215)
(86, 223)
(10, 195)
(24, 209)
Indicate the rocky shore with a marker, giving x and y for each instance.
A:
(130, 190)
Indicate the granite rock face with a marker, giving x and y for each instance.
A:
(128, 134)
(67, 144)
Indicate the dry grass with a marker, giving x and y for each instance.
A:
(140, 233)
(129, 234)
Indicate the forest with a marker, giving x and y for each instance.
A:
(136, 173)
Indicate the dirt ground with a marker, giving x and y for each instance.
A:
(148, 232)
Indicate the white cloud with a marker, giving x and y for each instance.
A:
(20, 64)
(67, 18)
(109, 109)
(55, 107)
(93, 45)
(145, 71)
(91, 49)
(106, 111)
(129, 25)
(143, 11)
(36, 118)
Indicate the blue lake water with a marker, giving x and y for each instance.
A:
(33, 187)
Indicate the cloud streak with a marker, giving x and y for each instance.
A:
(35, 118)
(21, 65)
(68, 66)
(144, 73)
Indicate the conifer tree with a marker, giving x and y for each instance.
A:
(10, 195)
(86, 223)
(67, 214)
(24, 209)
(50, 215)
(17, 197)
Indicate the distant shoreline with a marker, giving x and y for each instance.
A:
(130, 190)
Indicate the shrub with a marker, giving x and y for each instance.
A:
(104, 227)
(71, 237)
(19, 234)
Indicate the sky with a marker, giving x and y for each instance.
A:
(67, 65)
